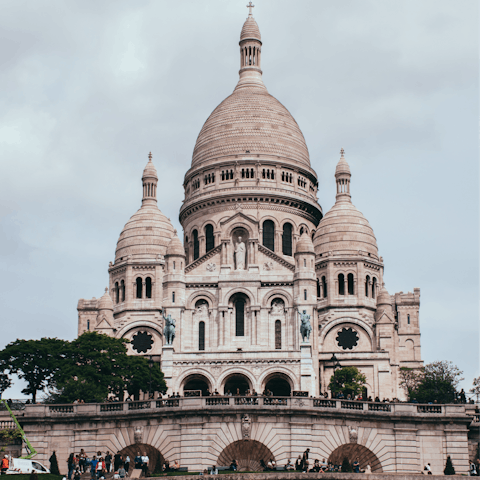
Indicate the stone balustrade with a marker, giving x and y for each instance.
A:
(246, 403)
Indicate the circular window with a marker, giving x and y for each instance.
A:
(142, 342)
(347, 338)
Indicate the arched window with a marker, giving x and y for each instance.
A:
(324, 285)
(374, 285)
(341, 284)
(367, 282)
(278, 335)
(240, 318)
(408, 319)
(318, 287)
(209, 238)
(196, 245)
(122, 289)
(148, 287)
(201, 336)
(117, 293)
(301, 230)
(350, 284)
(173, 297)
(88, 325)
(269, 235)
(287, 239)
(305, 294)
(138, 282)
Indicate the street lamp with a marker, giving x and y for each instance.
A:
(336, 364)
(150, 364)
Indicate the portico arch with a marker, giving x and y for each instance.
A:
(197, 382)
(352, 451)
(248, 453)
(279, 384)
(155, 457)
(237, 381)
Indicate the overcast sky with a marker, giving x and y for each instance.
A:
(88, 88)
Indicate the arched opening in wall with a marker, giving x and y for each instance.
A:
(278, 335)
(239, 302)
(201, 336)
(197, 382)
(138, 283)
(374, 286)
(117, 293)
(122, 290)
(350, 284)
(148, 287)
(196, 245)
(269, 235)
(352, 451)
(324, 285)
(249, 454)
(209, 238)
(279, 385)
(318, 287)
(236, 384)
(341, 284)
(287, 239)
(156, 459)
(186, 249)
(367, 283)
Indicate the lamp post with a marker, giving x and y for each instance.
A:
(150, 364)
(336, 364)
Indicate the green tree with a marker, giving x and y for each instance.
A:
(476, 387)
(438, 383)
(97, 365)
(410, 379)
(5, 383)
(35, 361)
(347, 380)
(449, 470)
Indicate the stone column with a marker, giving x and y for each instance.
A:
(167, 365)
(278, 242)
(306, 369)
(201, 239)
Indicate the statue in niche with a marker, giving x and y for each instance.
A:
(353, 434)
(306, 326)
(201, 310)
(246, 426)
(240, 255)
(278, 307)
(169, 330)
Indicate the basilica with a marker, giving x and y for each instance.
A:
(222, 310)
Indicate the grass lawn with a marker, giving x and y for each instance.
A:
(26, 476)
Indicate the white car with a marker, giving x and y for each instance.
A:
(22, 465)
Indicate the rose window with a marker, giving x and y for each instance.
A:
(347, 338)
(142, 342)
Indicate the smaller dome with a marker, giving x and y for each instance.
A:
(150, 170)
(250, 29)
(305, 244)
(342, 165)
(384, 297)
(105, 302)
(175, 246)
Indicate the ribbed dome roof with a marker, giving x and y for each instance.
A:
(384, 297)
(146, 234)
(250, 120)
(304, 245)
(250, 29)
(175, 246)
(150, 171)
(105, 302)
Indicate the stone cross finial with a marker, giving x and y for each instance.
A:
(342, 152)
(250, 6)
(106, 289)
(150, 156)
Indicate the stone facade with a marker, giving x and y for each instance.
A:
(257, 252)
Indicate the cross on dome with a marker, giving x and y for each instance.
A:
(150, 156)
(342, 152)
(250, 6)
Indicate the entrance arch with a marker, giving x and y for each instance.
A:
(236, 381)
(353, 451)
(279, 384)
(248, 453)
(197, 382)
(156, 459)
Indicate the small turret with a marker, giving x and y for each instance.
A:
(149, 180)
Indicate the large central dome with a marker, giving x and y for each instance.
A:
(251, 120)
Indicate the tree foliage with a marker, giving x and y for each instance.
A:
(449, 470)
(347, 380)
(35, 361)
(97, 365)
(436, 382)
(476, 386)
(5, 383)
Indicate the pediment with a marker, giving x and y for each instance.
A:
(271, 261)
(239, 215)
(208, 264)
(385, 318)
(103, 323)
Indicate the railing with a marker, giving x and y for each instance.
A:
(379, 407)
(350, 405)
(111, 407)
(246, 400)
(429, 409)
(7, 425)
(217, 401)
(168, 402)
(192, 393)
(60, 408)
(14, 405)
(324, 403)
(139, 405)
(275, 401)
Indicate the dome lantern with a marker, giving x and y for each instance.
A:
(149, 181)
(343, 175)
